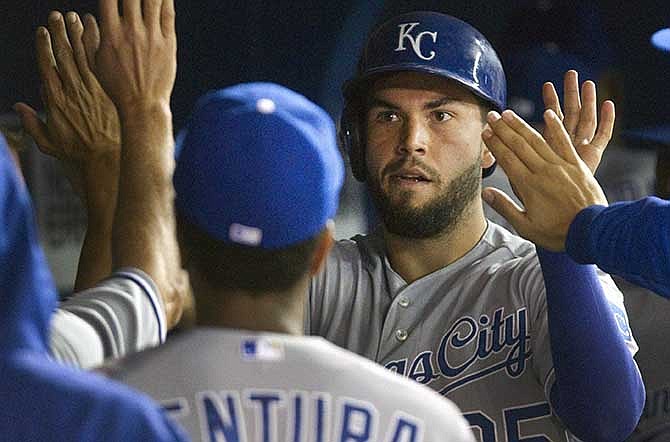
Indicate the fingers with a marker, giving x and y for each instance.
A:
(151, 10)
(505, 206)
(34, 126)
(551, 100)
(109, 16)
(75, 30)
(532, 137)
(132, 12)
(91, 40)
(518, 137)
(558, 138)
(46, 63)
(606, 126)
(62, 50)
(572, 102)
(506, 158)
(167, 18)
(586, 127)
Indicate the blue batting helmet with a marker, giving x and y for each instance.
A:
(428, 42)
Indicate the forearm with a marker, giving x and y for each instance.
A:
(589, 354)
(144, 234)
(630, 239)
(101, 180)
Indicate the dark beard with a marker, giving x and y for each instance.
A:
(438, 216)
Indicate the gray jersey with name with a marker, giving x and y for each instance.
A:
(475, 331)
(227, 385)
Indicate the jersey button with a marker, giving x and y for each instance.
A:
(401, 334)
(403, 301)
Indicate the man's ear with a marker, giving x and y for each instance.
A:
(487, 157)
(322, 249)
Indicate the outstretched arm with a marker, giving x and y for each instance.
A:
(629, 239)
(136, 65)
(582, 323)
(81, 131)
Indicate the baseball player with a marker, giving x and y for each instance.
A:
(42, 400)
(106, 317)
(440, 295)
(253, 226)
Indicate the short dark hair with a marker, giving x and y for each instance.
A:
(228, 266)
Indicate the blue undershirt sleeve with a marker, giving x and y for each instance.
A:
(629, 239)
(598, 392)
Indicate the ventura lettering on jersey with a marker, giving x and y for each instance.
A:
(307, 416)
(471, 342)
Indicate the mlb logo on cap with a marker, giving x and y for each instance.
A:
(240, 234)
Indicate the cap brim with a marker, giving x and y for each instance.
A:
(654, 134)
(661, 39)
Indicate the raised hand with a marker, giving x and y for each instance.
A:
(136, 64)
(81, 130)
(82, 127)
(581, 117)
(136, 61)
(547, 175)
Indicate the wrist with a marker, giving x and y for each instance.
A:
(579, 242)
(132, 113)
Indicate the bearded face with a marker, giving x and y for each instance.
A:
(424, 152)
(437, 215)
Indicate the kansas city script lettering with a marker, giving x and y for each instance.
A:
(490, 336)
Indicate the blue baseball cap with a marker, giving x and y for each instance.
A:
(258, 165)
(661, 39)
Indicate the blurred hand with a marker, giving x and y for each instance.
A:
(547, 174)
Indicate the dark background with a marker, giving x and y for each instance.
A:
(311, 45)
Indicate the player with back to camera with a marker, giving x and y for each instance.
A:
(253, 226)
(442, 296)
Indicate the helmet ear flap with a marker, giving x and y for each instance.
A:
(351, 139)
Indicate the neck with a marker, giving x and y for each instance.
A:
(269, 312)
(415, 258)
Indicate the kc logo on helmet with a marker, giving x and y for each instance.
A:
(406, 34)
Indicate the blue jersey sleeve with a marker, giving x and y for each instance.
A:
(629, 239)
(595, 373)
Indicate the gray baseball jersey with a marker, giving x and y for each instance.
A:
(650, 320)
(228, 385)
(120, 315)
(475, 331)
